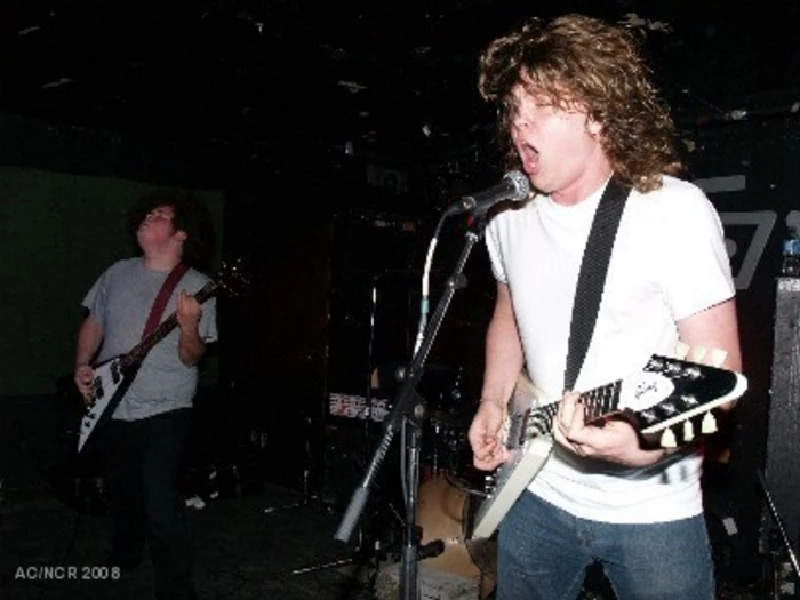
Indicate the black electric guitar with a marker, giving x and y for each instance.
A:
(113, 377)
(670, 396)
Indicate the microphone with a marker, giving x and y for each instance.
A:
(514, 186)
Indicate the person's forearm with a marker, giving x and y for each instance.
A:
(644, 457)
(191, 347)
(714, 329)
(89, 338)
(503, 361)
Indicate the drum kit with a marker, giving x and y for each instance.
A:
(432, 420)
(450, 489)
(449, 494)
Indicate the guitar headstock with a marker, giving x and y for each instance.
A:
(233, 277)
(675, 396)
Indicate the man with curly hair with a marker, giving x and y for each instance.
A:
(144, 440)
(577, 110)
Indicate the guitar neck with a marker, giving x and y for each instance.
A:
(598, 403)
(137, 354)
(601, 401)
(666, 393)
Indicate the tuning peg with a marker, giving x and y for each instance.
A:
(698, 354)
(718, 357)
(682, 350)
(688, 431)
(709, 423)
(668, 439)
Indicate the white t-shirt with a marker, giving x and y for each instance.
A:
(669, 261)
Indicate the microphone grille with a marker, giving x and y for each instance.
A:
(519, 181)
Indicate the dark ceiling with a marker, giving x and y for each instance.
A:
(383, 75)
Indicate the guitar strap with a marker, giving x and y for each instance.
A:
(592, 276)
(160, 303)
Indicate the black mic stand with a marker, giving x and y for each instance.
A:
(408, 411)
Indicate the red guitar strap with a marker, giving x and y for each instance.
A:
(160, 303)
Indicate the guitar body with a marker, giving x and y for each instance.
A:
(670, 397)
(111, 381)
(511, 479)
(529, 451)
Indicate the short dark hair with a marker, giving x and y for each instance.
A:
(191, 216)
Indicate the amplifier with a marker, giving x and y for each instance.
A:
(783, 438)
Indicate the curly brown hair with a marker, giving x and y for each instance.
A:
(580, 61)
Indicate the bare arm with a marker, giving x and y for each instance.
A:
(191, 346)
(503, 365)
(503, 351)
(89, 337)
(715, 329)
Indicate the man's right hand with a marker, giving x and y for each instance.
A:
(84, 375)
(485, 437)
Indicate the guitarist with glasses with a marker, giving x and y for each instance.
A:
(580, 117)
(143, 440)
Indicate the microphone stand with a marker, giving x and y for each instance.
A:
(406, 415)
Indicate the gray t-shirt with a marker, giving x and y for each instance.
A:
(121, 300)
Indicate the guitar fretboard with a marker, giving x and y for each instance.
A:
(597, 402)
(137, 354)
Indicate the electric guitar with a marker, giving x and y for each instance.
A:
(113, 377)
(672, 396)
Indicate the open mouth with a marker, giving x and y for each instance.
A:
(530, 157)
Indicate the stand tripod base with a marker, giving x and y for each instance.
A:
(306, 499)
(377, 538)
(434, 583)
(333, 564)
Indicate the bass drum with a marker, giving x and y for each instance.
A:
(445, 511)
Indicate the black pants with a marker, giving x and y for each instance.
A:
(143, 462)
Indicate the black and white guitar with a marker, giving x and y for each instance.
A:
(113, 377)
(670, 396)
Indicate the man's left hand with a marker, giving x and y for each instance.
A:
(187, 311)
(613, 441)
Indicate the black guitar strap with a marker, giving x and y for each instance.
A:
(592, 276)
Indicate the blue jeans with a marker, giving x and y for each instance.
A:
(543, 552)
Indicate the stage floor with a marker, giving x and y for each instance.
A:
(242, 551)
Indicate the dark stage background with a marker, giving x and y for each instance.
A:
(336, 273)
(326, 165)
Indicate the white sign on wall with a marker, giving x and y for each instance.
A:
(748, 256)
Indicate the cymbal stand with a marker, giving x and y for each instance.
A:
(306, 498)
